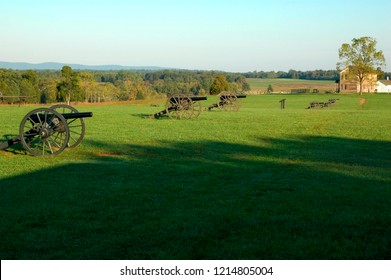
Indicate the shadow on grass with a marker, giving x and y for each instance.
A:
(14, 148)
(143, 116)
(308, 198)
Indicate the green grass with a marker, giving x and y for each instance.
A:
(262, 183)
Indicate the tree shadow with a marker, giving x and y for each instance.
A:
(299, 198)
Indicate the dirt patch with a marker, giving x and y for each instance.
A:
(108, 154)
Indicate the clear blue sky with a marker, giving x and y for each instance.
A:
(243, 35)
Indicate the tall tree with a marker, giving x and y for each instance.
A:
(29, 85)
(219, 84)
(380, 74)
(69, 86)
(87, 85)
(48, 90)
(361, 57)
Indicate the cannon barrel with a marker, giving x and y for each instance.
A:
(225, 95)
(241, 96)
(67, 116)
(77, 115)
(191, 97)
(198, 98)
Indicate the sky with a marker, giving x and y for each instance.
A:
(227, 35)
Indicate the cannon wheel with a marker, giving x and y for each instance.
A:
(77, 128)
(228, 102)
(180, 107)
(44, 132)
(197, 109)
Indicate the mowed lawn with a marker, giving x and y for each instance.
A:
(261, 183)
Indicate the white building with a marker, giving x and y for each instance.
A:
(347, 84)
(384, 86)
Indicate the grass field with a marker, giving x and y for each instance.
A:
(262, 183)
(286, 85)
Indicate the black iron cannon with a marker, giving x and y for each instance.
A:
(48, 131)
(228, 101)
(182, 106)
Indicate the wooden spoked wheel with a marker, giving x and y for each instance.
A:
(197, 109)
(228, 102)
(44, 132)
(180, 107)
(76, 126)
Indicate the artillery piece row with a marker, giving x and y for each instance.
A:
(317, 104)
(188, 107)
(49, 131)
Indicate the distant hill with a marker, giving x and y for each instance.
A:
(58, 66)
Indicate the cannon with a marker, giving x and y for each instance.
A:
(48, 131)
(181, 107)
(317, 104)
(228, 101)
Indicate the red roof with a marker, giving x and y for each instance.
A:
(385, 82)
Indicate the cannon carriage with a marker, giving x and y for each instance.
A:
(227, 101)
(48, 131)
(181, 106)
(317, 104)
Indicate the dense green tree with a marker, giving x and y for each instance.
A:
(361, 57)
(124, 90)
(69, 88)
(219, 84)
(132, 76)
(246, 86)
(380, 74)
(196, 89)
(103, 92)
(306, 75)
(9, 84)
(141, 90)
(28, 90)
(10, 88)
(87, 84)
(31, 76)
(272, 75)
(29, 86)
(48, 90)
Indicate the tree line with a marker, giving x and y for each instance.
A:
(294, 74)
(331, 75)
(45, 86)
(49, 86)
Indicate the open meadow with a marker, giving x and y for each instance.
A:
(259, 85)
(260, 183)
